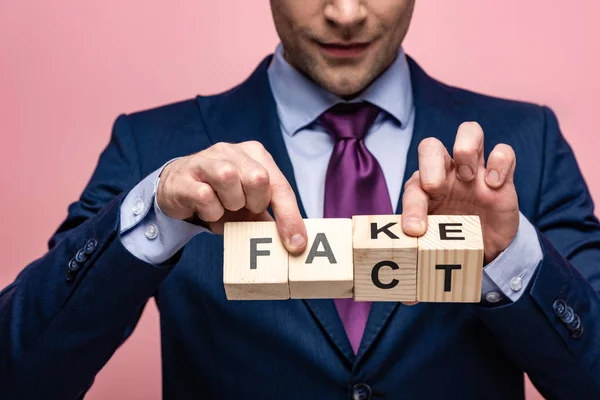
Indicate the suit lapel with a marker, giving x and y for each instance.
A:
(436, 116)
(249, 112)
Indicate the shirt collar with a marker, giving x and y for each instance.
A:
(300, 101)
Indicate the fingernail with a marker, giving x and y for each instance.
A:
(493, 176)
(465, 172)
(414, 224)
(297, 241)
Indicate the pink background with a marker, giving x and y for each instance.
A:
(68, 68)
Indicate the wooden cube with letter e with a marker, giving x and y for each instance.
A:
(324, 270)
(255, 262)
(385, 259)
(450, 260)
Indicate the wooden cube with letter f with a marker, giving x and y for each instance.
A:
(450, 260)
(255, 262)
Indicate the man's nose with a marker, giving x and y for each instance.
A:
(346, 13)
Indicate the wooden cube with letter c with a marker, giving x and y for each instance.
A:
(385, 259)
(450, 261)
(255, 262)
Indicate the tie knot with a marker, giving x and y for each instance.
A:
(349, 120)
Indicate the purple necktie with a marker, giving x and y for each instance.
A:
(354, 185)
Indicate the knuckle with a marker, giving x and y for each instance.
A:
(220, 147)
(204, 194)
(431, 186)
(253, 147)
(257, 178)
(226, 173)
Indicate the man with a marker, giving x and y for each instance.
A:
(339, 98)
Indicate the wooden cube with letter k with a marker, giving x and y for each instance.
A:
(450, 260)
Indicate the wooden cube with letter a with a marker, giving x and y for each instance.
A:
(385, 259)
(324, 270)
(450, 262)
(255, 262)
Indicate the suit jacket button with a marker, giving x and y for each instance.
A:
(74, 266)
(81, 257)
(90, 246)
(560, 308)
(575, 324)
(361, 391)
(569, 316)
(70, 276)
(576, 334)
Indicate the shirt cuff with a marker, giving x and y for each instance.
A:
(509, 274)
(146, 231)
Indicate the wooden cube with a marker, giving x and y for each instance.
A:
(324, 270)
(385, 259)
(450, 262)
(255, 263)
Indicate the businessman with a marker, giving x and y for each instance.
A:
(338, 121)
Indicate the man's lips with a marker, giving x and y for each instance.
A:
(344, 50)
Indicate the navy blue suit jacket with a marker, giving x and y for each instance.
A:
(56, 334)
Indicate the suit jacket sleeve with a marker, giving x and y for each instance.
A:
(541, 331)
(59, 328)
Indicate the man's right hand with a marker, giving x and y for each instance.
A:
(232, 182)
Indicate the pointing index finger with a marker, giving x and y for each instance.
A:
(290, 225)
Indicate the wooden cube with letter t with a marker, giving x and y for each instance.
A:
(255, 262)
(324, 270)
(385, 259)
(450, 261)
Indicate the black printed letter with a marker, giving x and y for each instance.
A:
(254, 252)
(385, 229)
(444, 232)
(315, 252)
(448, 274)
(375, 275)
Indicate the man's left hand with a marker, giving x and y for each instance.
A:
(464, 185)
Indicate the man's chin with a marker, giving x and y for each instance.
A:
(345, 86)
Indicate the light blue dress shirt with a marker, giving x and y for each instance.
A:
(154, 237)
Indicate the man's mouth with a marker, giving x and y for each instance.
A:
(344, 50)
